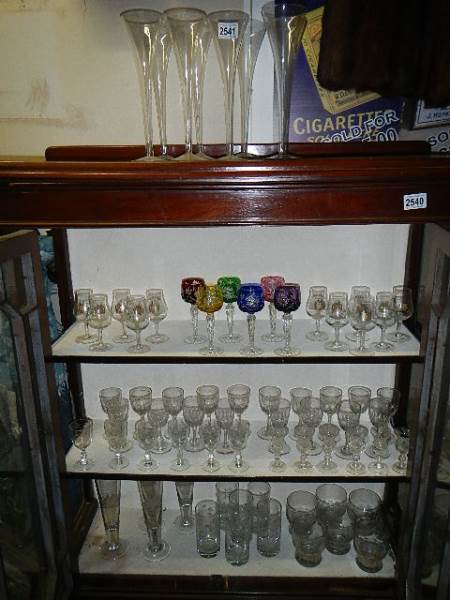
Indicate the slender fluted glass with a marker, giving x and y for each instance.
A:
(269, 283)
(163, 49)
(108, 492)
(185, 493)
(150, 493)
(229, 284)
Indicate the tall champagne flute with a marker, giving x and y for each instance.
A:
(118, 302)
(287, 299)
(188, 27)
(163, 49)
(285, 23)
(229, 284)
(82, 299)
(157, 310)
(189, 289)
(143, 27)
(384, 318)
(316, 306)
(251, 44)
(99, 317)
(403, 305)
(269, 283)
(337, 317)
(108, 492)
(209, 301)
(228, 28)
(251, 300)
(137, 319)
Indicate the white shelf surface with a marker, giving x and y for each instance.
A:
(256, 454)
(185, 561)
(66, 346)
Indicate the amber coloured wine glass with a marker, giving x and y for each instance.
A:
(209, 301)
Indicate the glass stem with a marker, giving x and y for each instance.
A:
(179, 460)
(225, 439)
(362, 340)
(194, 320)
(148, 459)
(194, 435)
(337, 333)
(186, 514)
(124, 331)
(86, 329)
(382, 332)
(347, 435)
(156, 324)
(112, 538)
(83, 457)
(287, 330)
(251, 330)
(317, 322)
(118, 458)
(238, 460)
(210, 321)
(272, 319)
(155, 539)
(138, 338)
(229, 310)
(210, 458)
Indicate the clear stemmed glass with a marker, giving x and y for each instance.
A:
(251, 300)
(143, 27)
(229, 284)
(179, 431)
(158, 416)
(145, 436)
(384, 318)
(358, 294)
(328, 437)
(140, 398)
(163, 49)
(362, 314)
(99, 317)
(210, 433)
(285, 23)
(110, 397)
(208, 398)
(239, 398)
(337, 317)
(193, 415)
(173, 398)
(137, 319)
(348, 414)
(228, 28)
(269, 283)
(157, 310)
(269, 400)
(189, 289)
(191, 35)
(82, 300)
(298, 396)
(150, 493)
(330, 399)
(224, 417)
(209, 301)
(402, 447)
(403, 305)
(251, 44)
(118, 302)
(108, 492)
(303, 443)
(116, 432)
(81, 432)
(184, 523)
(239, 433)
(311, 415)
(279, 428)
(117, 410)
(316, 306)
(287, 299)
(379, 413)
(356, 444)
(284, 409)
(360, 394)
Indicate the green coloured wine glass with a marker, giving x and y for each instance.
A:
(230, 284)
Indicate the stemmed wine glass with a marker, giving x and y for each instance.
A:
(229, 284)
(316, 306)
(362, 314)
(82, 300)
(403, 306)
(145, 436)
(99, 317)
(228, 28)
(239, 433)
(251, 300)
(298, 397)
(158, 416)
(269, 400)
(330, 399)
(118, 303)
(348, 414)
(239, 398)
(209, 301)
(210, 433)
(179, 431)
(116, 432)
(137, 319)
(285, 23)
(279, 428)
(143, 26)
(189, 289)
(224, 417)
(140, 398)
(173, 398)
(384, 318)
(358, 293)
(208, 399)
(269, 283)
(356, 444)
(193, 414)
(287, 299)
(157, 310)
(81, 430)
(337, 317)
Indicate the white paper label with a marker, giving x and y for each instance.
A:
(227, 31)
(414, 201)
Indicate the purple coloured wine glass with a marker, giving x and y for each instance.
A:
(251, 300)
(287, 299)
(189, 289)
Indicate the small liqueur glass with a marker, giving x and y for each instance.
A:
(99, 317)
(402, 447)
(356, 444)
(311, 415)
(250, 301)
(189, 289)
(239, 398)
(337, 317)
(208, 398)
(193, 414)
(362, 314)
(287, 299)
(145, 436)
(173, 398)
(384, 318)
(209, 301)
(158, 415)
(150, 493)
(303, 443)
(330, 399)
(404, 308)
(137, 319)
(108, 492)
(178, 432)
(157, 310)
(269, 283)
(278, 423)
(82, 300)
(140, 398)
(328, 438)
(358, 294)
(229, 284)
(116, 433)
(225, 418)
(118, 303)
(81, 432)
(184, 523)
(298, 396)
(348, 414)
(239, 433)
(269, 400)
(210, 433)
(316, 306)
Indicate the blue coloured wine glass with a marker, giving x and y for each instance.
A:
(287, 299)
(251, 300)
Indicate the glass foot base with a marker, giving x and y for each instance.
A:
(398, 338)
(180, 466)
(114, 552)
(302, 466)
(100, 347)
(382, 346)
(399, 468)
(123, 339)
(251, 351)
(83, 339)
(118, 466)
(157, 555)
(336, 346)
(278, 467)
(145, 467)
(275, 337)
(355, 468)
(200, 339)
(159, 338)
(317, 336)
(235, 469)
(234, 338)
(211, 468)
(224, 449)
(184, 527)
(361, 352)
(291, 351)
(371, 453)
(138, 349)
(377, 468)
(328, 467)
(78, 466)
(215, 351)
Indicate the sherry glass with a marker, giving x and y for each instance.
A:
(150, 493)
(348, 414)
(193, 415)
(173, 398)
(163, 49)
(337, 317)
(356, 444)
(179, 431)
(210, 434)
(184, 523)
(251, 300)
(229, 284)
(287, 299)
(358, 294)
(157, 310)
(239, 433)
(316, 306)
(379, 413)
(99, 317)
(209, 301)
(191, 35)
(224, 417)
(158, 416)
(116, 432)
(145, 436)
(269, 283)
(285, 23)
(403, 306)
(269, 400)
(384, 318)
(143, 27)
(208, 399)
(140, 398)
(81, 432)
(82, 300)
(402, 447)
(108, 492)
(330, 399)
(362, 314)
(228, 27)
(137, 319)
(239, 398)
(251, 44)
(189, 289)
(119, 298)
(298, 396)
